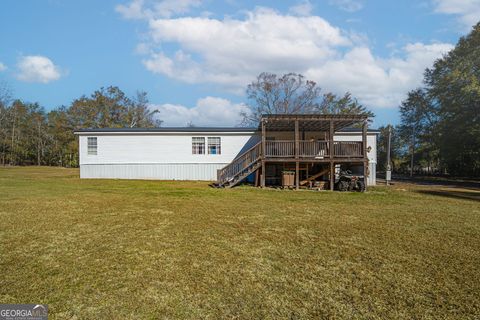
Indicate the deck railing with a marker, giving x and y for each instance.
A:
(280, 148)
(348, 149)
(313, 149)
(245, 163)
(240, 164)
(316, 149)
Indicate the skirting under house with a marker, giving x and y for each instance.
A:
(153, 171)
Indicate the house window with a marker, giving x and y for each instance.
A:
(92, 146)
(214, 145)
(198, 145)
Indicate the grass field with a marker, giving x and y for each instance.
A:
(106, 249)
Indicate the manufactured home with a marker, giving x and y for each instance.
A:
(306, 146)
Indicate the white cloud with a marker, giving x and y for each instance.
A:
(167, 8)
(304, 8)
(374, 81)
(133, 10)
(468, 11)
(232, 52)
(2, 67)
(208, 111)
(347, 5)
(149, 9)
(37, 69)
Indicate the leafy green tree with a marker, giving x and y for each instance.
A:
(5, 96)
(111, 108)
(454, 84)
(63, 145)
(397, 150)
(418, 120)
(346, 104)
(29, 135)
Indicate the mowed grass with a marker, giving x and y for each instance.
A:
(113, 249)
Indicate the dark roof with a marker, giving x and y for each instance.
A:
(311, 122)
(169, 129)
(316, 116)
(194, 129)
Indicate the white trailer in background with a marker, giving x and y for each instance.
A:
(178, 153)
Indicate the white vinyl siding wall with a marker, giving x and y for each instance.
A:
(163, 156)
(170, 156)
(372, 155)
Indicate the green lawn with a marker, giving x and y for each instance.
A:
(114, 249)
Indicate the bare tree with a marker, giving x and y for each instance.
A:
(287, 94)
(292, 94)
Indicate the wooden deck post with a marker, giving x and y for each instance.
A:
(297, 143)
(264, 138)
(297, 176)
(330, 140)
(262, 176)
(331, 151)
(332, 175)
(297, 151)
(365, 152)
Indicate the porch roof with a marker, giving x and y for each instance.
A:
(310, 122)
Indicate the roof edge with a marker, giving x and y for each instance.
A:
(167, 130)
(193, 130)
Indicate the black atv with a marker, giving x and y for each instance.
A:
(350, 182)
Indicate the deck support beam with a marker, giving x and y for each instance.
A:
(262, 176)
(332, 175)
(297, 151)
(330, 140)
(297, 143)
(297, 176)
(331, 154)
(365, 152)
(263, 153)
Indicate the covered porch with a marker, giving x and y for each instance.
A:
(296, 142)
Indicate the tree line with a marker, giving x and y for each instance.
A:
(29, 135)
(439, 131)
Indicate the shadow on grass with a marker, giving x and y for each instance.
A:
(452, 193)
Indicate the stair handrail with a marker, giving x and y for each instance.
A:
(239, 164)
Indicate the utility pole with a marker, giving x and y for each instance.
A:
(388, 176)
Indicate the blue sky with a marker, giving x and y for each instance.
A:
(195, 58)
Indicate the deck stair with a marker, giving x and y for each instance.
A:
(240, 168)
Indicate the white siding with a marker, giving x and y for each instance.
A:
(159, 148)
(162, 156)
(158, 171)
(168, 156)
(372, 155)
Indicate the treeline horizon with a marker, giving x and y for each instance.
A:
(29, 135)
(439, 132)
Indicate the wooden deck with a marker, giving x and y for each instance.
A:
(298, 150)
